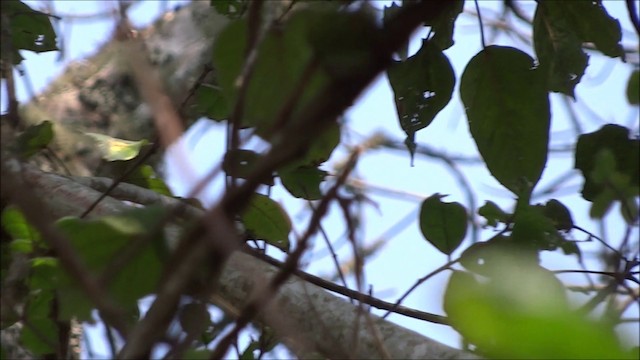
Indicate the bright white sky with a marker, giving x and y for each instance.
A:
(407, 256)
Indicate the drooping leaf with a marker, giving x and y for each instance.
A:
(508, 112)
(559, 48)
(266, 220)
(146, 177)
(34, 139)
(443, 224)
(422, 87)
(102, 245)
(558, 214)
(625, 151)
(113, 149)
(633, 88)
(303, 182)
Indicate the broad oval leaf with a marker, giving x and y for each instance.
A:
(443, 224)
(303, 182)
(422, 87)
(507, 107)
(266, 220)
(633, 88)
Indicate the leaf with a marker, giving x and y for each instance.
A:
(492, 212)
(303, 182)
(112, 149)
(590, 22)
(266, 220)
(283, 71)
(144, 176)
(112, 243)
(559, 48)
(40, 336)
(521, 312)
(633, 88)
(508, 112)
(444, 225)
(15, 224)
(34, 139)
(231, 8)
(626, 154)
(29, 29)
(211, 103)
(422, 87)
(194, 318)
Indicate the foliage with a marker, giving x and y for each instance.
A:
(289, 86)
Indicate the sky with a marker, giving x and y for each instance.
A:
(407, 256)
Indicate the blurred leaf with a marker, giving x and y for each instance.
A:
(508, 111)
(444, 225)
(102, 245)
(16, 225)
(211, 103)
(113, 149)
(231, 8)
(633, 88)
(267, 220)
(34, 139)
(422, 87)
(558, 47)
(522, 312)
(146, 177)
(29, 29)
(303, 182)
(625, 159)
(492, 212)
(40, 336)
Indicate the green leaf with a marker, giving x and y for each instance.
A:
(16, 225)
(559, 48)
(34, 139)
(211, 103)
(113, 149)
(283, 71)
(40, 336)
(521, 312)
(303, 182)
(29, 29)
(492, 212)
(231, 8)
(633, 88)
(590, 22)
(444, 225)
(266, 220)
(146, 177)
(625, 159)
(194, 318)
(112, 244)
(422, 87)
(508, 112)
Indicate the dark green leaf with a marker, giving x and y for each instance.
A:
(444, 225)
(266, 220)
(40, 336)
(422, 87)
(508, 111)
(29, 29)
(492, 212)
(303, 182)
(211, 103)
(194, 318)
(633, 88)
(111, 244)
(231, 8)
(625, 159)
(34, 139)
(559, 48)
